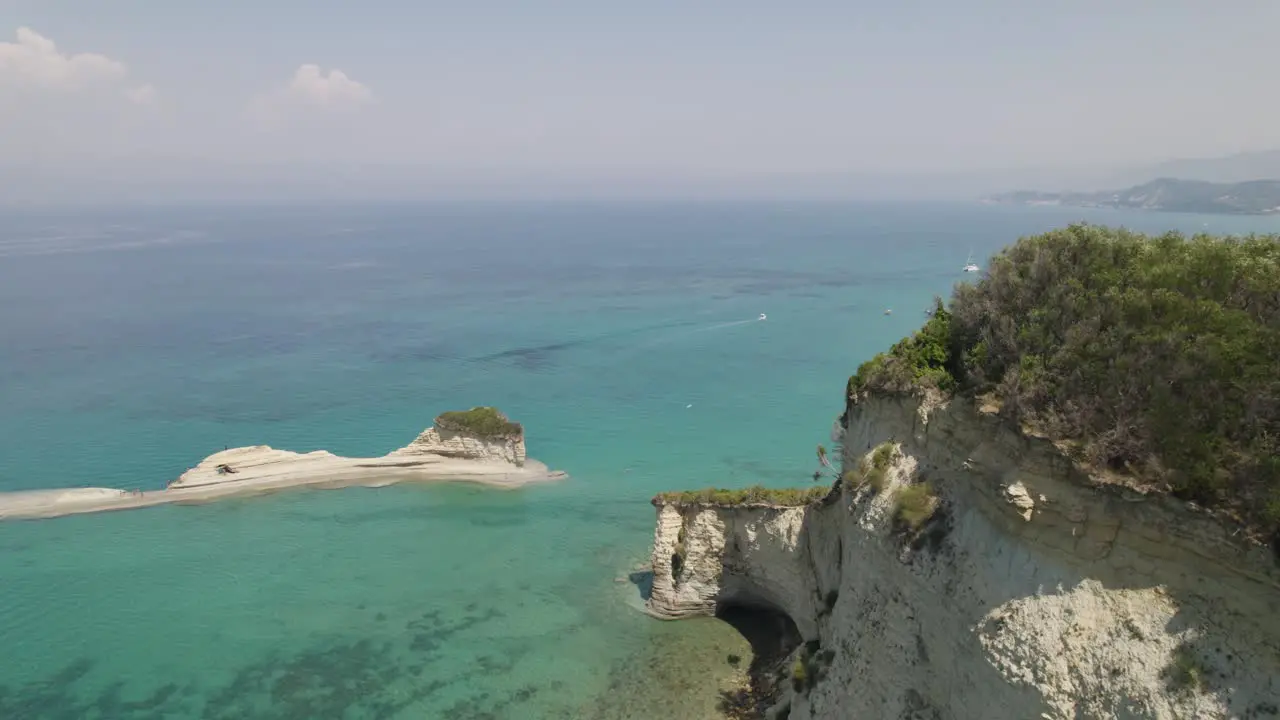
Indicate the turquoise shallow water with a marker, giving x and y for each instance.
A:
(624, 337)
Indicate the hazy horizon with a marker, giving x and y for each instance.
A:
(401, 101)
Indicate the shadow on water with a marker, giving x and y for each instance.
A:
(643, 580)
(543, 356)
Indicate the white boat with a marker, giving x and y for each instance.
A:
(762, 316)
(969, 265)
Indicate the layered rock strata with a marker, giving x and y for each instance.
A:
(1032, 591)
(446, 442)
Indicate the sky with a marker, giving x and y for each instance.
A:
(396, 97)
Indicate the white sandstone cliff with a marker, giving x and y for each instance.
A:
(453, 444)
(1031, 593)
(433, 450)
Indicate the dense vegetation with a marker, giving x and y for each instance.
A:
(485, 422)
(921, 360)
(754, 495)
(1154, 358)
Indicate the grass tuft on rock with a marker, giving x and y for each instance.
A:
(754, 495)
(873, 469)
(810, 666)
(799, 675)
(484, 422)
(1185, 672)
(915, 505)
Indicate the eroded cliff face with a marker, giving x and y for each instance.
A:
(1032, 592)
(452, 444)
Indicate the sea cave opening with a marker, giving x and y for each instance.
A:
(771, 633)
(772, 636)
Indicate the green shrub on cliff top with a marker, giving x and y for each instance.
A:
(485, 422)
(922, 360)
(1155, 356)
(754, 495)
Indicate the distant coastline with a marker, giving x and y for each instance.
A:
(1254, 197)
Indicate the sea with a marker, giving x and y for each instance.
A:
(624, 336)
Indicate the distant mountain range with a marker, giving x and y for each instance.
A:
(1240, 167)
(1252, 197)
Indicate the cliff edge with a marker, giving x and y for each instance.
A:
(963, 569)
(1060, 498)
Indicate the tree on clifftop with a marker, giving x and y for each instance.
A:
(1154, 358)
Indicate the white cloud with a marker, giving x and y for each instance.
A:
(309, 90)
(34, 60)
(57, 103)
(142, 94)
(311, 85)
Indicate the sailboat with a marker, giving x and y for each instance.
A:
(969, 265)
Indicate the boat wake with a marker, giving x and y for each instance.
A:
(705, 329)
(718, 326)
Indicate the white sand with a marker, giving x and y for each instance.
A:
(261, 469)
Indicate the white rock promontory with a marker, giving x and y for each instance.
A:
(435, 455)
